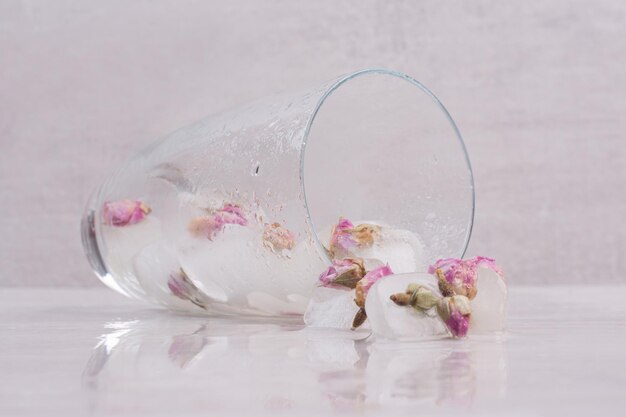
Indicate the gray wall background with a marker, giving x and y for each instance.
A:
(537, 88)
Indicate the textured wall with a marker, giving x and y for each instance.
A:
(537, 88)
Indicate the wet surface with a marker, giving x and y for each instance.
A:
(94, 353)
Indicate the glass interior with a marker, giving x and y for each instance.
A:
(380, 147)
(374, 146)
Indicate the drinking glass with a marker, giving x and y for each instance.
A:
(231, 215)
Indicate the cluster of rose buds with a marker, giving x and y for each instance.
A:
(210, 225)
(348, 271)
(453, 310)
(275, 236)
(456, 279)
(124, 212)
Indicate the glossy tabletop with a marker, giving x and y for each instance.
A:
(95, 353)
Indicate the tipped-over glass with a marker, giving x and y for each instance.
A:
(232, 215)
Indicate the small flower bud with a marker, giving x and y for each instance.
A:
(124, 212)
(232, 214)
(424, 298)
(277, 237)
(364, 233)
(455, 312)
(416, 296)
(343, 273)
(345, 236)
(210, 225)
(455, 276)
(364, 285)
(458, 276)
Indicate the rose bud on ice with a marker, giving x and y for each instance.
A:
(362, 288)
(417, 296)
(458, 276)
(455, 276)
(210, 225)
(124, 212)
(232, 214)
(343, 273)
(277, 237)
(345, 236)
(455, 312)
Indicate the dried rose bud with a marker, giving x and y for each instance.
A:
(455, 276)
(277, 237)
(210, 225)
(416, 296)
(345, 236)
(364, 233)
(343, 273)
(124, 212)
(362, 288)
(339, 236)
(182, 287)
(455, 312)
(232, 214)
(458, 276)
(365, 283)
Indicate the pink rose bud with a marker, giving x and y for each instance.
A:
(124, 212)
(455, 312)
(340, 237)
(364, 285)
(458, 276)
(277, 237)
(232, 214)
(210, 225)
(345, 236)
(343, 273)
(361, 290)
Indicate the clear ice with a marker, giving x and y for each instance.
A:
(335, 308)
(489, 306)
(331, 308)
(390, 321)
(401, 249)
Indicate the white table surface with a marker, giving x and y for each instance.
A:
(95, 353)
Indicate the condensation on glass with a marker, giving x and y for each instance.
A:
(371, 145)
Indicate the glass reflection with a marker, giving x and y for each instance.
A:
(214, 364)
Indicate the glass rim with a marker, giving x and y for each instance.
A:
(327, 93)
